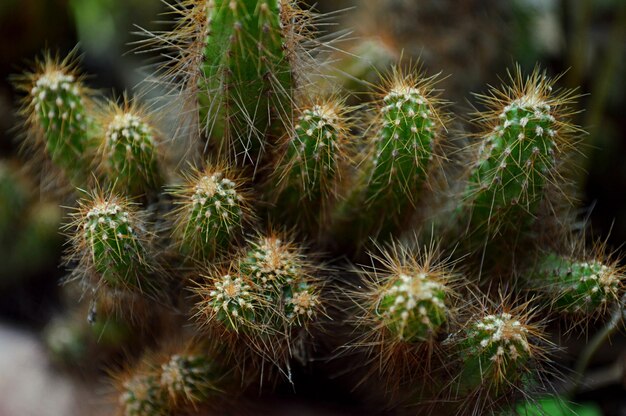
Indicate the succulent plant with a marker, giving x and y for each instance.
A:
(235, 272)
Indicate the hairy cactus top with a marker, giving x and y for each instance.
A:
(527, 131)
(111, 240)
(56, 110)
(213, 208)
(128, 149)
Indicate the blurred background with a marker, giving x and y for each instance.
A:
(472, 42)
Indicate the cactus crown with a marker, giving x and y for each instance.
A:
(129, 148)
(55, 109)
(499, 349)
(213, 208)
(526, 133)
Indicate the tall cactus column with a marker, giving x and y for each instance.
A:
(245, 89)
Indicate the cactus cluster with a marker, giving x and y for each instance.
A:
(296, 235)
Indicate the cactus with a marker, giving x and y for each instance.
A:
(213, 208)
(499, 352)
(307, 173)
(582, 287)
(398, 157)
(143, 396)
(171, 255)
(56, 113)
(128, 149)
(526, 135)
(110, 242)
(243, 57)
(270, 291)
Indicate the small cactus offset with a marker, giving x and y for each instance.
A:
(526, 135)
(308, 171)
(213, 208)
(500, 352)
(56, 114)
(111, 244)
(128, 149)
(398, 159)
(578, 286)
(222, 266)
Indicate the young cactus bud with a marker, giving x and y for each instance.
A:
(110, 243)
(56, 110)
(309, 167)
(397, 165)
(128, 150)
(213, 208)
(526, 135)
(580, 287)
(500, 353)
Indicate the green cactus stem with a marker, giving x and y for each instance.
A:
(577, 286)
(57, 112)
(128, 150)
(111, 240)
(213, 208)
(497, 351)
(527, 134)
(391, 178)
(305, 178)
(246, 77)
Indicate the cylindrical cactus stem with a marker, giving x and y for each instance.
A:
(110, 241)
(526, 135)
(576, 286)
(305, 177)
(129, 149)
(213, 208)
(57, 113)
(246, 83)
(391, 178)
(500, 352)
